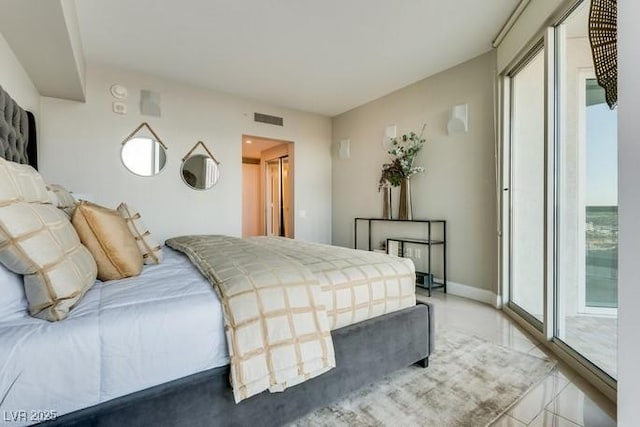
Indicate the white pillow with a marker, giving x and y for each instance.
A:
(12, 297)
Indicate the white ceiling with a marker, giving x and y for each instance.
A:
(257, 145)
(323, 56)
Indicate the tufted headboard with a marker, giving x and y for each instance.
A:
(17, 132)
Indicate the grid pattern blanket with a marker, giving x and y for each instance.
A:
(276, 325)
(356, 285)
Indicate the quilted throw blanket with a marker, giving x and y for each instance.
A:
(356, 285)
(276, 326)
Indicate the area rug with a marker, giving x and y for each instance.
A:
(469, 383)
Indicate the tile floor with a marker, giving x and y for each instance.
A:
(562, 399)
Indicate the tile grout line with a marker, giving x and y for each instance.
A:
(567, 419)
(551, 400)
(558, 416)
(563, 388)
(514, 404)
(546, 408)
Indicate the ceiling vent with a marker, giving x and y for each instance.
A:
(265, 118)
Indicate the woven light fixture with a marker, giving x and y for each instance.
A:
(603, 35)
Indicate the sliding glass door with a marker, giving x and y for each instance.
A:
(587, 203)
(561, 188)
(527, 154)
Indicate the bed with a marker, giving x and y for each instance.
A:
(151, 350)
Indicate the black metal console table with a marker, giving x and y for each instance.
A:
(424, 279)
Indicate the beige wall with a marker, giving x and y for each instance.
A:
(80, 149)
(15, 80)
(459, 183)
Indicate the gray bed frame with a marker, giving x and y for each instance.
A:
(365, 352)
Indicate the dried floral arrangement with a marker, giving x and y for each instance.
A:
(403, 152)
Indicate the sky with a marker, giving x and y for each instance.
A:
(602, 156)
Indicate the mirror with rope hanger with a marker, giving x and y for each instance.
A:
(200, 171)
(143, 155)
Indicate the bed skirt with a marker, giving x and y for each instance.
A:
(365, 352)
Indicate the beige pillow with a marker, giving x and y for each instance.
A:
(149, 247)
(63, 199)
(37, 241)
(109, 240)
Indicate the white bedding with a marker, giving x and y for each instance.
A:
(123, 336)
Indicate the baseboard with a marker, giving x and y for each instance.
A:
(476, 294)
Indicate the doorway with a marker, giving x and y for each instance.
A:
(268, 182)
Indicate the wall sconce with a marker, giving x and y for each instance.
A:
(389, 133)
(458, 121)
(344, 149)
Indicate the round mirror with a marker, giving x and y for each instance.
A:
(200, 172)
(143, 156)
